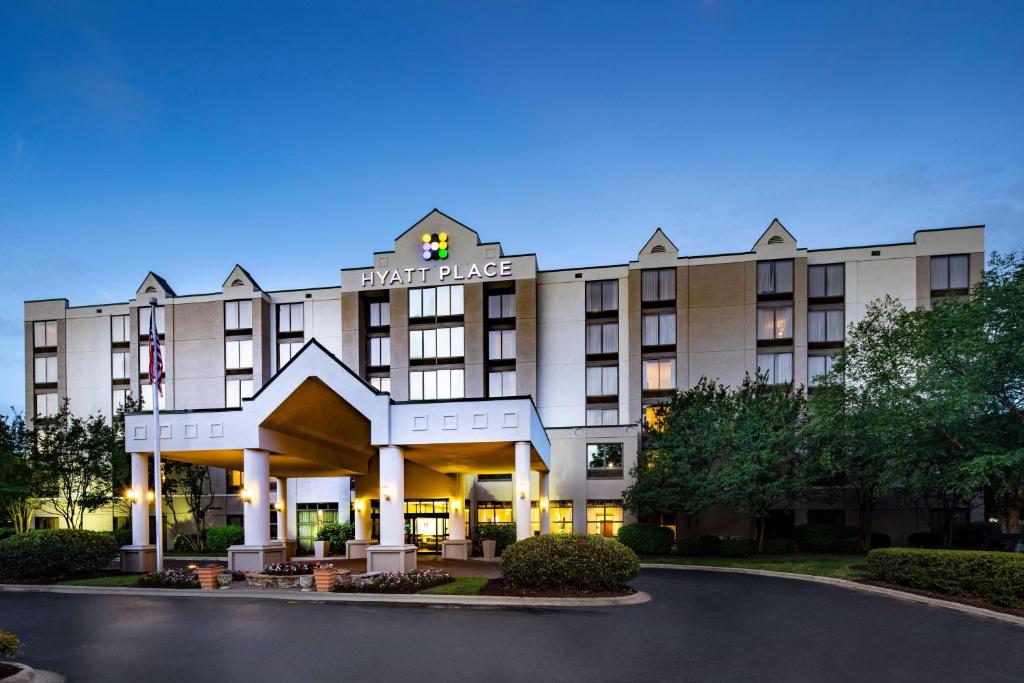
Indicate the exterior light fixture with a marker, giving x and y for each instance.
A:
(385, 492)
(248, 495)
(278, 506)
(543, 503)
(360, 505)
(455, 506)
(150, 496)
(522, 490)
(131, 495)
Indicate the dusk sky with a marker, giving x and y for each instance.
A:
(298, 138)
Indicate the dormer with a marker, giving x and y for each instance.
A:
(775, 242)
(240, 284)
(658, 252)
(154, 285)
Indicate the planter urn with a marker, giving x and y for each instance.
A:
(208, 576)
(306, 583)
(321, 549)
(224, 580)
(324, 577)
(489, 547)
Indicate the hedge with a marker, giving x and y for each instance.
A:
(219, 538)
(647, 539)
(337, 534)
(503, 535)
(575, 561)
(995, 577)
(50, 554)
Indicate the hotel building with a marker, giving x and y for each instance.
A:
(449, 384)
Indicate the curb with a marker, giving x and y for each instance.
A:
(853, 585)
(351, 598)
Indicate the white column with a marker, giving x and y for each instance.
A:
(457, 512)
(256, 509)
(344, 500)
(392, 496)
(362, 518)
(140, 506)
(521, 490)
(545, 502)
(282, 509)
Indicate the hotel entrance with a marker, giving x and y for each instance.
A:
(426, 523)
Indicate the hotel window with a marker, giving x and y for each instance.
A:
(46, 370)
(501, 306)
(380, 351)
(494, 512)
(144, 360)
(825, 326)
(602, 380)
(826, 281)
(381, 383)
(560, 516)
(602, 338)
(144, 313)
(238, 354)
(378, 314)
(118, 399)
(431, 302)
(659, 374)
(818, 366)
(778, 367)
(775, 277)
(949, 275)
(655, 414)
(44, 334)
(46, 404)
(428, 385)
(286, 350)
(501, 345)
(602, 416)
(602, 296)
(604, 517)
(120, 365)
(235, 481)
(604, 460)
(658, 329)
(120, 330)
(658, 285)
(290, 319)
(235, 390)
(501, 383)
(775, 323)
(238, 315)
(147, 397)
(444, 342)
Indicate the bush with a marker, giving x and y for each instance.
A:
(779, 546)
(8, 645)
(924, 539)
(121, 536)
(50, 554)
(337, 534)
(503, 535)
(688, 547)
(708, 544)
(880, 540)
(816, 538)
(184, 543)
(737, 547)
(995, 577)
(647, 539)
(574, 561)
(6, 532)
(219, 538)
(170, 578)
(849, 546)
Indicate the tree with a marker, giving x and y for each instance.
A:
(192, 483)
(19, 477)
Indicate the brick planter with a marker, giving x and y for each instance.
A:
(208, 577)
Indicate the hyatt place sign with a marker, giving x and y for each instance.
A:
(454, 273)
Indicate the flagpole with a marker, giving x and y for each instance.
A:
(157, 484)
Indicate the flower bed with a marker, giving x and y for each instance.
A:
(286, 575)
(395, 582)
(170, 578)
(294, 568)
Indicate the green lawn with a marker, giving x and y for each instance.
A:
(467, 585)
(836, 566)
(121, 581)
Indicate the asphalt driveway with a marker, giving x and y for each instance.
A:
(699, 626)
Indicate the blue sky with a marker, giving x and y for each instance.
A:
(297, 138)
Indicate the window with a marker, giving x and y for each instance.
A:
(144, 360)
(658, 329)
(818, 366)
(602, 338)
(238, 354)
(235, 481)
(380, 351)
(658, 285)
(778, 367)
(147, 397)
(494, 512)
(602, 296)
(235, 390)
(379, 313)
(775, 277)
(286, 350)
(381, 383)
(501, 306)
(44, 334)
(602, 380)
(430, 302)
(501, 383)
(120, 330)
(949, 273)
(118, 399)
(599, 416)
(659, 374)
(826, 281)
(604, 460)
(46, 404)
(775, 323)
(238, 315)
(46, 370)
(120, 365)
(433, 384)
(501, 344)
(560, 516)
(144, 313)
(604, 517)
(655, 415)
(825, 326)
(289, 319)
(445, 342)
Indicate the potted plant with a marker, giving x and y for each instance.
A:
(208, 576)
(306, 582)
(224, 580)
(321, 547)
(324, 575)
(489, 546)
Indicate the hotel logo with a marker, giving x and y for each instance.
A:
(434, 246)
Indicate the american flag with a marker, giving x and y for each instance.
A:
(156, 358)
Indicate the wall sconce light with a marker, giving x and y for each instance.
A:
(455, 506)
(385, 492)
(543, 503)
(360, 505)
(522, 490)
(278, 506)
(131, 495)
(150, 496)
(248, 496)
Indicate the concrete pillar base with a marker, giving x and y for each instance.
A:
(390, 558)
(456, 550)
(356, 549)
(291, 547)
(138, 558)
(252, 558)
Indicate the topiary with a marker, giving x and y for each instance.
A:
(647, 539)
(816, 538)
(573, 561)
(737, 547)
(924, 539)
(55, 554)
(779, 546)
(688, 547)
(8, 645)
(219, 538)
(337, 534)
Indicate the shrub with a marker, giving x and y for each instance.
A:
(184, 543)
(880, 540)
(737, 547)
(995, 577)
(779, 546)
(8, 645)
(816, 538)
(688, 547)
(122, 536)
(6, 532)
(647, 539)
(708, 544)
(50, 554)
(170, 578)
(503, 535)
(411, 581)
(924, 539)
(219, 538)
(849, 546)
(586, 563)
(337, 534)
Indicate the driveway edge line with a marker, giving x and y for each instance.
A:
(852, 585)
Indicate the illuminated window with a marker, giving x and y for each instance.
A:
(604, 460)
(775, 323)
(494, 512)
(655, 416)
(659, 374)
(44, 334)
(236, 481)
(604, 517)
(560, 515)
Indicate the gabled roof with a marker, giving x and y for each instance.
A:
(438, 212)
(774, 229)
(237, 271)
(659, 238)
(160, 281)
